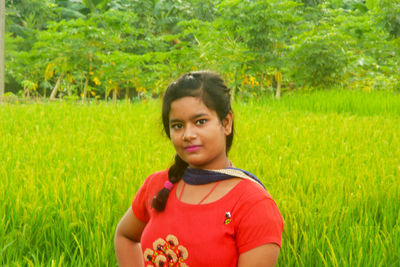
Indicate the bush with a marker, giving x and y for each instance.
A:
(319, 58)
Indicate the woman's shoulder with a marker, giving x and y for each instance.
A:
(249, 190)
(158, 175)
(256, 207)
(256, 218)
(249, 196)
(156, 179)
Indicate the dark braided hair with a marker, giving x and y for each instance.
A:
(211, 89)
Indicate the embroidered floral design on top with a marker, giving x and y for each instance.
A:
(166, 253)
(228, 217)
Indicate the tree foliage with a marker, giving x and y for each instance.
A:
(125, 49)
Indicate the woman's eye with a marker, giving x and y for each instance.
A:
(176, 126)
(200, 122)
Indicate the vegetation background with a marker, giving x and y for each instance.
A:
(330, 159)
(131, 48)
(328, 151)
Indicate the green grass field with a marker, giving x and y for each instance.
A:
(331, 160)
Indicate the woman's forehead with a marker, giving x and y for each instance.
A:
(189, 107)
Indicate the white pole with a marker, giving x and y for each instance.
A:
(2, 37)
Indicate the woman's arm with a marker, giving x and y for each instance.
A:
(262, 256)
(127, 240)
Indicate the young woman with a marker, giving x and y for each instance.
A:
(201, 211)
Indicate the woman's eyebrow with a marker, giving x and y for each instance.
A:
(198, 116)
(191, 118)
(174, 120)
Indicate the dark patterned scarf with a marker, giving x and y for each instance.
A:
(199, 176)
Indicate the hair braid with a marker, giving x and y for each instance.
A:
(175, 174)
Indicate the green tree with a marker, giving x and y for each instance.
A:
(387, 13)
(25, 17)
(96, 5)
(265, 27)
(2, 41)
(320, 57)
(216, 48)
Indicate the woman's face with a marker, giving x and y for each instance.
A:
(199, 137)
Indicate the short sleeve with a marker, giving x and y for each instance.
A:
(140, 203)
(261, 223)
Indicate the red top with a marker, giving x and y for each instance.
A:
(211, 234)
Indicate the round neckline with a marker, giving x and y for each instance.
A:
(180, 202)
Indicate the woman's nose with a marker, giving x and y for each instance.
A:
(189, 133)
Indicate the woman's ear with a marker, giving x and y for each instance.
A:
(227, 123)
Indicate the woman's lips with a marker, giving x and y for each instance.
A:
(192, 148)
